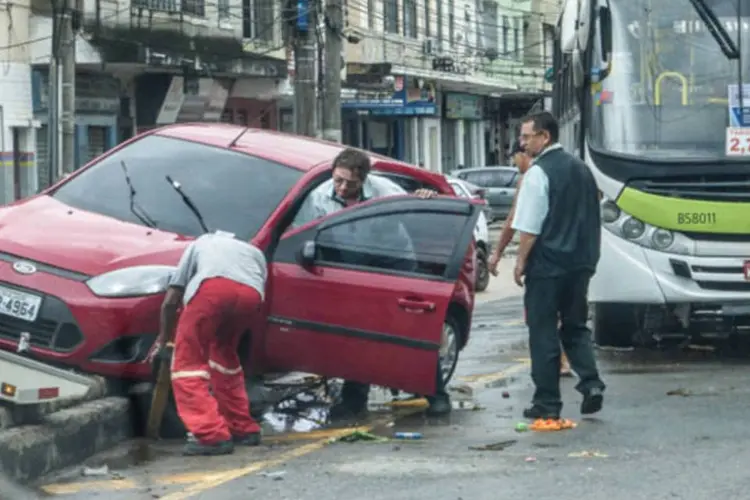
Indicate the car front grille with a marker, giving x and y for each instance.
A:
(54, 328)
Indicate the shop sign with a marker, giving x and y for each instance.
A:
(463, 107)
(408, 97)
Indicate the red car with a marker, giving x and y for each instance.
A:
(84, 264)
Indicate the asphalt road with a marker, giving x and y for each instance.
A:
(673, 427)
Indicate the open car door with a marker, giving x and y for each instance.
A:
(363, 294)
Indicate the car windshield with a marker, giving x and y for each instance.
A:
(669, 89)
(233, 191)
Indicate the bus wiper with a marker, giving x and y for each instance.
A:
(135, 208)
(726, 44)
(177, 187)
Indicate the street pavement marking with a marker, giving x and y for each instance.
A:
(203, 481)
(102, 485)
(483, 379)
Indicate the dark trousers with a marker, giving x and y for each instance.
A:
(356, 394)
(557, 313)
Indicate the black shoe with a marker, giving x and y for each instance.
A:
(536, 412)
(252, 439)
(592, 402)
(347, 410)
(439, 406)
(196, 448)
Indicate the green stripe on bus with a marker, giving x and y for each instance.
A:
(686, 215)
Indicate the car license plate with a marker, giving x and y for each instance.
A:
(19, 304)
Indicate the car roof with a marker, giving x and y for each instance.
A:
(300, 152)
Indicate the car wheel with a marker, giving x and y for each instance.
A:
(483, 272)
(450, 346)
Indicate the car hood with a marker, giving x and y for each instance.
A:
(44, 230)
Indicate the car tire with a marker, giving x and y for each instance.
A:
(483, 272)
(614, 325)
(449, 349)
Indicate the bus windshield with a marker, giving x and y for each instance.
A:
(671, 90)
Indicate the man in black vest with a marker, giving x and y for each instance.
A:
(558, 218)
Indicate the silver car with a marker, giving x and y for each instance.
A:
(500, 184)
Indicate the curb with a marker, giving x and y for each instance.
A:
(64, 438)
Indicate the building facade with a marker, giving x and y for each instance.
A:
(474, 56)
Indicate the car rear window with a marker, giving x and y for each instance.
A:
(233, 191)
(490, 178)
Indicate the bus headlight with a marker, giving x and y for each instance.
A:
(633, 229)
(636, 231)
(610, 211)
(662, 238)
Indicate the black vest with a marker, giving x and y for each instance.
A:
(571, 234)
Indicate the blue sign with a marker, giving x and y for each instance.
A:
(739, 109)
(410, 97)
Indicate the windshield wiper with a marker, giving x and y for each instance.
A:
(177, 187)
(140, 212)
(726, 44)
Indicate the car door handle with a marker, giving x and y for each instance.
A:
(416, 305)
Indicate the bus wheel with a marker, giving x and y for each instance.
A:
(614, 325)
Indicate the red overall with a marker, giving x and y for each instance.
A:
(205, 360)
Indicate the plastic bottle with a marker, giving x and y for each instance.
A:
(408, 435)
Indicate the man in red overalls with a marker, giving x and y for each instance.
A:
(220, 281)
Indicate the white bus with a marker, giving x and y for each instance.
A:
(647, 92)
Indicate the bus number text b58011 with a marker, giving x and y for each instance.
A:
(696, 218)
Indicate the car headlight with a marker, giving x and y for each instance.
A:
(626, 226)
(131, 281)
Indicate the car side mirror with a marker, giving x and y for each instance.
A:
(306, 254)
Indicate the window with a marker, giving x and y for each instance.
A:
(439, 21)
(414, 242)
(194, 7)
(517, 49)
(371, 14)
(223, 8)
(451, 21)
(410, 18)
(161, 5)
(489, 24)
(233, 191)
(506, 30)
(489, 178)
(427, 22)
(390, 16)
(259, 20)
(501, 178)
(408, 184)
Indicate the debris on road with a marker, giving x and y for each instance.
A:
(95, 471)
(506, 394)
(356, 436)
(551, 425)
(408, 435)
(276, 476)
(494, 446)
(587, 454)
(705, 348)
(680, 392)
(530, 459)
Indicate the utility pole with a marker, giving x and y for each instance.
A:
(334, 22)
(305, 56)
(68, 91)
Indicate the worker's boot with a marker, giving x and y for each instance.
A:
(252, 439)
(440, 403)
(196, 448)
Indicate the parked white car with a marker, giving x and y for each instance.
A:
(481, 234)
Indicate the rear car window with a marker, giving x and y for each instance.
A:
(489, 178)
(233, 191)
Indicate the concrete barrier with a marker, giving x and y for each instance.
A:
(64, 438)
